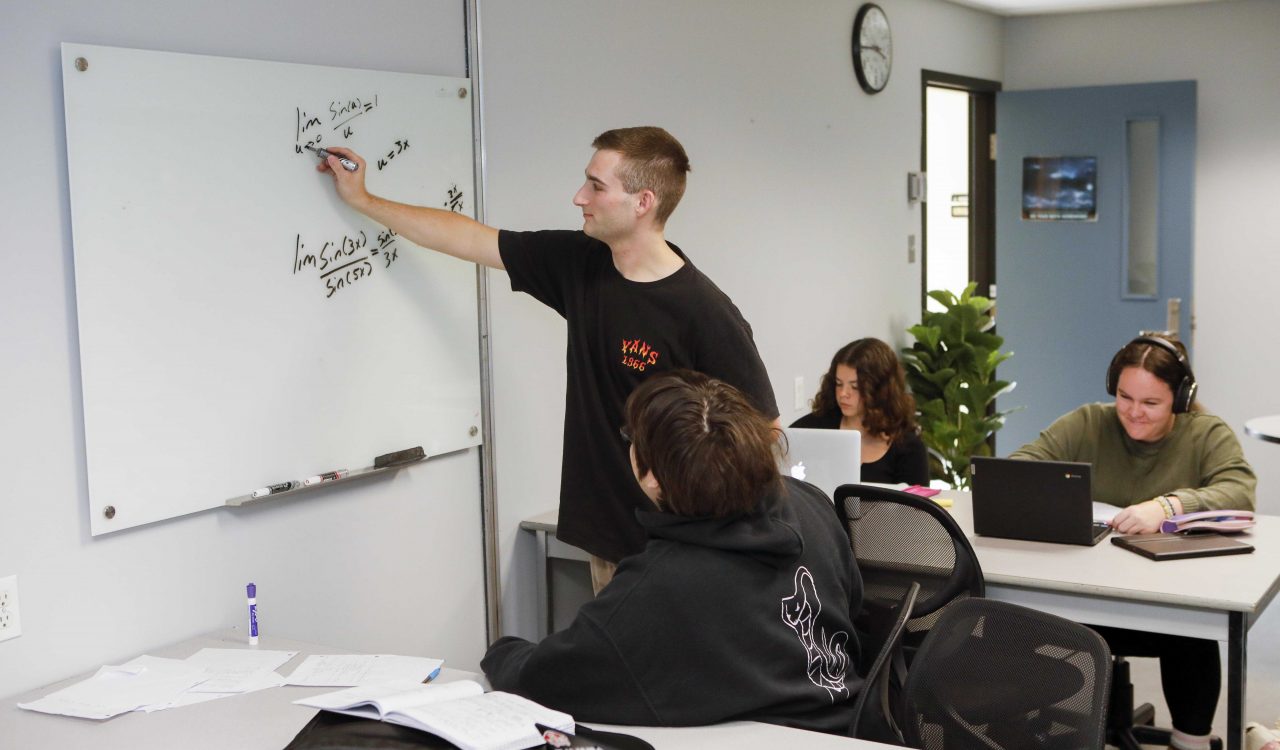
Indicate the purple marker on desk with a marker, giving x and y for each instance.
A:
(252, 590)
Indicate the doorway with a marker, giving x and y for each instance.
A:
(957, 156)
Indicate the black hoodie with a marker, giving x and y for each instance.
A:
(740, 618)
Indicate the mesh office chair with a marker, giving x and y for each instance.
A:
(995, 675)
(901, 541)
(873, 717)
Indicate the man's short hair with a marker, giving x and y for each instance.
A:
(652, 159)
(712, 453)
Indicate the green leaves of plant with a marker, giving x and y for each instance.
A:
(951, 371)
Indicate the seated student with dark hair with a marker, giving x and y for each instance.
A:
(866, 390)
(739, 606)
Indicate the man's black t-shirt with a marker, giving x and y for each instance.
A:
(619, 333)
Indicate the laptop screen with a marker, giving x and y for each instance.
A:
(823, 458)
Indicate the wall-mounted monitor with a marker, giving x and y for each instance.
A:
(1060, 188)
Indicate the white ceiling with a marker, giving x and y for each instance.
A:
(1041, 7)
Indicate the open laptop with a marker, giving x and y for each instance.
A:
(824, 458)
(1039, 501)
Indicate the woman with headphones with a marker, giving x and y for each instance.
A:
(1156, 454)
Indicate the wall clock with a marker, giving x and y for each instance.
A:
(872, 48)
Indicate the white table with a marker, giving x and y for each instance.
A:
(263, 719)
(548, 547)
(268, 720)
(1218, 598)
(1264, 428)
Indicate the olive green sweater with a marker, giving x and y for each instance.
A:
(1200, 460)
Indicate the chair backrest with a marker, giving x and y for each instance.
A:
(899, 539)
(993, 675)
(873, 714)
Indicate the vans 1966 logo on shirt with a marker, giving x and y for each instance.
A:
(638, 355)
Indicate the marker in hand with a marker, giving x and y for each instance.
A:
(325, 153)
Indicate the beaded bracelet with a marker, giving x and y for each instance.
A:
(1166, 505)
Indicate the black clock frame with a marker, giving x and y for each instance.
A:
(856, 47)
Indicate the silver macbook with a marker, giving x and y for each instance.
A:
(1039, 501)
(824, 458)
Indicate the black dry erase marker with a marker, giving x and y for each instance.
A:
(274, 488)
(325, 153)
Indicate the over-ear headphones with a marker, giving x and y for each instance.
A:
(1184, 394)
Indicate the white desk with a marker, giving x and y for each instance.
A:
(1264, 428)
(1218, 598)
(268, 720)
(263, 719)
(1210, 597)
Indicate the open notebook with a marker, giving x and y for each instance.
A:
(460, 712)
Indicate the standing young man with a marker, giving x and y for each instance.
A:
(634, 305)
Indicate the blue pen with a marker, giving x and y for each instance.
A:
(252, 590)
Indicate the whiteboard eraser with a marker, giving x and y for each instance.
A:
(395, 458)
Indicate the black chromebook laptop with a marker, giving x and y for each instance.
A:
(1039, 501)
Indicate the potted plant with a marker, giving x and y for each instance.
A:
(951, 369)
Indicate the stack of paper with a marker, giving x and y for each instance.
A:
(231, 671)
(114, 690)
(151, 683)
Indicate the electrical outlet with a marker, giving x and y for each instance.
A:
(799, 392)
(10, 625)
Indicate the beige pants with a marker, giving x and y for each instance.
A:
(601, 572)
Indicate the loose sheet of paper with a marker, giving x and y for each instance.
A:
(349, 670)
(1104, 512)
(232, 671)
(235, 669)
(114, 690)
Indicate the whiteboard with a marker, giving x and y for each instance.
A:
(239, 326)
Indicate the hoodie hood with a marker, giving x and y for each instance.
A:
(770, 534)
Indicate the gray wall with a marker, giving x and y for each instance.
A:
(392, 565)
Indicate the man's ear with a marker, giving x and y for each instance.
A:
(646, 202)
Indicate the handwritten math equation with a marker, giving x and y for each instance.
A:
(332, 124)
(335, 123)
(343, 262)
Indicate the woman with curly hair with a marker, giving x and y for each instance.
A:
(866, 390)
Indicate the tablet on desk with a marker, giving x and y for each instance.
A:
(1179, 546)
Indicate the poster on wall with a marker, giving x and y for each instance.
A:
(1059, 188)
